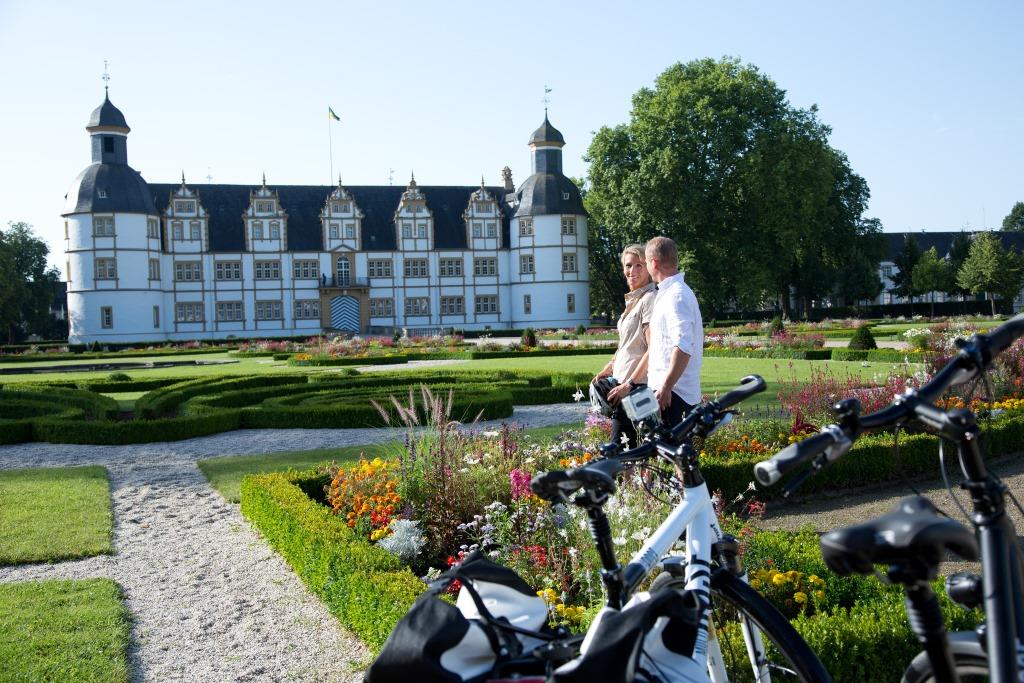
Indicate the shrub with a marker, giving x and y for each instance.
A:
(529, 338)
(776, 326)
(581, 329)
(118, 377)
(862, 339)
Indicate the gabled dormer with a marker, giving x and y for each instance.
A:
(266, 223)
(342, 221)
(414, 223)
(482, 218)
(186, 223)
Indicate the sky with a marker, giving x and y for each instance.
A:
(925, 98)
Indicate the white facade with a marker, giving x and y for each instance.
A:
(141, 277)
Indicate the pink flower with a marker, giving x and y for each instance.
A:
(520, 483)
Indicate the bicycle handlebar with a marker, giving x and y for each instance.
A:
(975, 355)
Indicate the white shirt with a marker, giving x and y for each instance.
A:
(676, 323)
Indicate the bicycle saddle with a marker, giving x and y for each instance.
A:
(913, 532)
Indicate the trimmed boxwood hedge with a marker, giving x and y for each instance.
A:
(812, 354)
(541, 351)
(348, 360)
(879, 355)
(366, 588)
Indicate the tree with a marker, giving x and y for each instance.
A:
(715, 158)
(857, 278)
(991, 269)
(932, 274)
(1014, 220)
(958, 251)
(26, 286)
(903, 280)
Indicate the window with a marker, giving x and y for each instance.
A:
(156, 317)
(565, 196)
(108, 144)
(526, 264)
(176, 231)
(421, 230)
(527, 304)
(268, 310)
(67, 270)
(451, 267)
(184, 207)
(264, 207)
(417, 305)
(188, 312)
(334, 231)
(492, 229)
(257, 230)
(570, 303)
(103, 226)
(306, 309)
(154, 269)
(478, 230)
(275, 230)
(350, 231)
(568, 225)
(526, 227)
(382, 307)
(335, 207)
(406, 229)
(229, 311)
(887, 271)
(228, 270)
(483, 207)
(486, 304)
(268, 270)
(452, 305)
(188, 271)
(102, 194)
(344, 208)
(153, 228)
(106, 317)
(195, 230)
(305, 270)
(106, 269)
(65, 229)
(568, 263)
(485, 266)
(379, 267)
(416, 267)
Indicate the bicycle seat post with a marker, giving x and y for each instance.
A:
(601, 531)
(925, 615)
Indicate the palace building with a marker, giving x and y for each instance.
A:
(173, 261)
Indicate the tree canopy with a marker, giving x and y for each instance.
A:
(991, 269)
(26, 285)
(747, 185)
(932, 274)
(1014, 220)
(903, 279)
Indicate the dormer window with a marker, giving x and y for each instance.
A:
(492, 229)
(102, 194)
(406, 230)
(184, 207)
(565, 196)
(108, 144)
(421, 230)
(257, 230)
(334, 231)
(275, 230)
(350, 231)
(264, 207)
(194, 230)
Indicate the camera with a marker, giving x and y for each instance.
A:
(641, 405)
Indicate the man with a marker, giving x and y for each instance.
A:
(676, 349)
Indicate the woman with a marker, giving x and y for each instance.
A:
(633, 339)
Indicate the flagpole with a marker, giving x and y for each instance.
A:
(330, 146)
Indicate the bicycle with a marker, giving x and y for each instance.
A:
(710, 573)
(912, 539)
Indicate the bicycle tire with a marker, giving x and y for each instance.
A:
(789, 657)
(968, 659)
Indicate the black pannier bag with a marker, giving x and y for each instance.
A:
(437, 642)
(651, 639)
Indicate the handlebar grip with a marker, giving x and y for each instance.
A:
(749, 385)
(769, 471)
(551, 485)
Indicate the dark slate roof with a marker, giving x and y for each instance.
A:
(126, 191)
(107, 115)
(226, 204)
(546, 133)
(942, 241)
(542, 194)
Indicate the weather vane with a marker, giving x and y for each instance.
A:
(546, 100)
(106, 78)
(391, 176)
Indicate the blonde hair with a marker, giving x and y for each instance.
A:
(664, 250)
(636, 250)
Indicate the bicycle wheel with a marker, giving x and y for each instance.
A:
(736, 608)
(968, 659)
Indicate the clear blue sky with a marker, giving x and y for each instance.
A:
(926, 98)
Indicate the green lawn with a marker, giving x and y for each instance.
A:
(63, 631)
(54, 513)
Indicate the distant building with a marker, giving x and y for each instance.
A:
(173, 261)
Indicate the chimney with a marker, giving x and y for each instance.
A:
(506, 176)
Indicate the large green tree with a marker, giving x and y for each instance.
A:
(992, 269)
(932, 274)
(1014, 220)
(714, 157)
(959, 249)
(26, 285)
(903, 278)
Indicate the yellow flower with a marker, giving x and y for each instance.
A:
(800, 597)
(779, 579)
(755, 584)
(820, 595)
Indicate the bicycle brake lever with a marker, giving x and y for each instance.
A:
(797, 482)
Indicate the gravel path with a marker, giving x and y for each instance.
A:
(210, 600)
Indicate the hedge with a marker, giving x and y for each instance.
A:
(366, 588)
(879, 355)
(348, 360)
(791, 354)
(541, 352)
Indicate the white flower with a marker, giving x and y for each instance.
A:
(578, 396)
(624, 440)
(490, 434)
(619, 540)
(638, 536)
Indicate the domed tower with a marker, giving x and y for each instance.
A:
(112, 242)
(548, 245)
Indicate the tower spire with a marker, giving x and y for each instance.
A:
(546, 100)
(106, 79)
